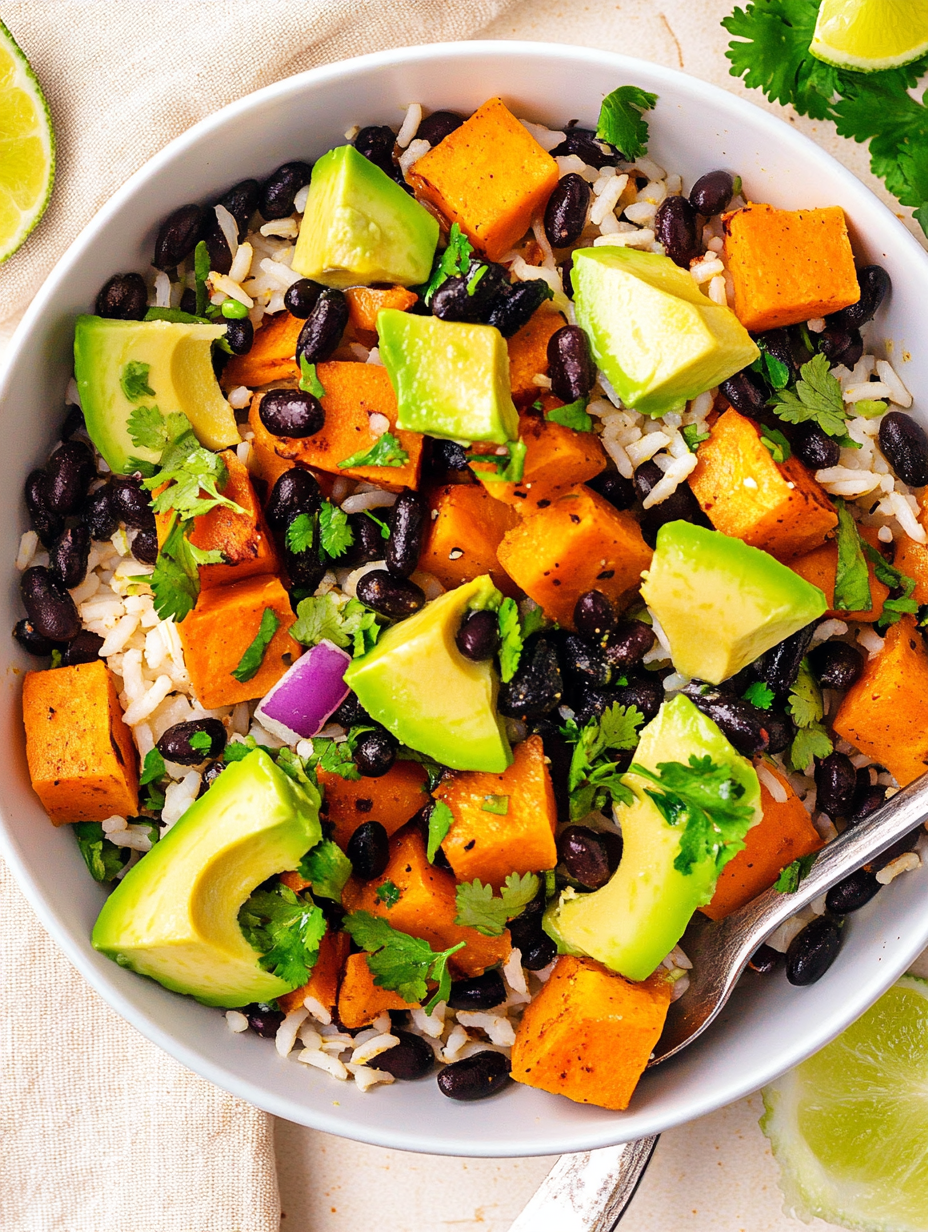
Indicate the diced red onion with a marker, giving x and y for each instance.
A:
(299, 705)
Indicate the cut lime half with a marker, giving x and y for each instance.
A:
(849, 1127)
(27, 147)
(868, 35)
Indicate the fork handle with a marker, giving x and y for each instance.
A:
(587, 1192)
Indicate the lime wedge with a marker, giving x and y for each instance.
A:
(27, 147)
(849, 1127)
(868, 35)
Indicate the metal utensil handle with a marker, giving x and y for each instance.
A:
(587, 1192)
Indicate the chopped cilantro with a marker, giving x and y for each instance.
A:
(336, 536)
(808, 743)
(593, 779)
(384, 528)
(895, 579)
(238, 750)
(153, 768)
(533, 621)
(309, 380)
(816, 398)
(870, 408)
(773, 370)
(794, 874)
(693, 436)
(286, 930)
(349, 624)
(134, 381)
(759, 694)
(301, 533)
(621, 120)
(440, 819)
(475, 278)
(775, 442)
(573, 415)
(852, 578)
(400, 962)
(388, 893)
(454, 260)
(176, 577)
(104, 859)
(173, 314)
(496, 804)
(200, 275)
(806, 709)
(293, 766)
(253, 657)
(57, 658)
(510, 639)
(335, 757)
(327, 868)
(149, 429)
(510, 466)
(478, 907)
(386, 451)
(200, 741)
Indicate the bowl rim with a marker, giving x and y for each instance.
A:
(591, 1135)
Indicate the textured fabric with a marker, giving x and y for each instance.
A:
(99, 1130)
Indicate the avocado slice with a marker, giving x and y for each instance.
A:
(659, 340)
(417, 683)
(170, 358)
(721, 602)
(450, 379)
(174, 916)
(637, 918)
(359, 226)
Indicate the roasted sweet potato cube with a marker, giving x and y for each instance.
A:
(322, 985)
(392, 799)
(789, 265)
(271, 357)
(528, 353)
(353, 393)
(912, 559)
(467, 527)
(820, 567)
(883, 713)
(579, 543)
(360, 1000)
(776, 506)
(490, 176)
(589, 1033)
(365, 302)
(426, 906)
(82, 760)
(220, 629)
(784, 833)
(503, 823)
(556, 460)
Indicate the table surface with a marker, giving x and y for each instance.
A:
(715, 1174)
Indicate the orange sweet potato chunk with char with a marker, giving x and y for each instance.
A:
(883, 713)
(528, 353)
(490, 176)
(365, 302)
(789, 265)
(360, 1000)
(784, 833)
(491, 845)
(466, 528)
(353, 392)
(426, 906)
(820, 567)
(82, 760)
(220, 629)
(556, 460)
(322, 985)
(579, 543)
(776, 506)
(392, 799)
(589, 1033)
(271, 357)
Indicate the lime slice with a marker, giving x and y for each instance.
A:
(27, 147)
(869, 35)
(849, 1127)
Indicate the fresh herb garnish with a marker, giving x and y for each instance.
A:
(177, 315)
(621, 120)
(386, 451)
(510, 639)
(773, 370)
(335, 533)
(388, 893)
(134, 381)
(510, 466)
(852, 577)
(253, 657)
(593, 778)
(301, 533)
(323, 617)
(384, 528)
(572, 415)
(496, 804)
(806, 709)
(815, 398)
(327, 868)
(336, 756)
(286, 930)
(693, 436)
(454, 260)
(794, 874)
(238, 750)
(104, 859)
(153, 768)
(175, 581)
(895, 579)
(309, 379)
(400, 962)
(149, 429)
(440, 820)
(759, 694)
(479, 908)
(200, 741)
(775, 442)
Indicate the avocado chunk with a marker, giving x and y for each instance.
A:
(174, 916)
(450, 379)
(115, 362)
(417, 683)
(659, 340)
(359, 226)
(721, 602)
(637, 918)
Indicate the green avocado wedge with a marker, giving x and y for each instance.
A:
(417, 683)
(174, 916)
(636, 919)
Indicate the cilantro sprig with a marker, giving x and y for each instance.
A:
(621, 120)
(478, 907)
(807, 709)
(593, 778)
(103, 858)
(320, 617)
(399, 962)
(250, 662)
(134, 381)
(455, 260)
(335, 533)
(852, 577)
(286, 929)
(386, 451)
(815, 398)
(903, 604)
(327, 869)
(441, 819)
(792, 877)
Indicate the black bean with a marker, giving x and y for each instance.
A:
(746, 394)
(840, 345)
(779, 666)
(411, 1058)
(44, 522)
(594, 615)
(188, 301)
(408, 519)
(615, 488)
(324, 327)
(145, 546)
(558, 755)
(280, 188)
(123, 298)
(675, 228)
(866, 801)
(478, 636)
(351, 713)
(852, 893)
(67, 557)
(475, 1077)
(296, 491)
(836, 780)
(565, 213)
(646, 691)
(539, 953)
(852, 351)
(99, 515)
(874, 284)
(241, 200)
(240, 334)
(73, 423)
(583, 662)
(482, 992)
(905, 446)
(177, 743)
(48, 605)
(570, 363)
(368, 542)
(680, 506)
(446, 456)
(526, 928)
(712, 193)
(815, 448)
(779, 730)
(376, 143)
(390, 596)
(375, 753)
(515, 309)
(178, 236)
(900, 847)
(84, 649)
(369, 850)
(837, 665)
(263, 1020)
(628, 644)
(33, 643)
(812, 951)
(220, 254)
(764, 960)
(301, 297)
(436, 127)
(583, 143)
(537, 686)
(291, 413)
(70, 472)
(209, 776)
(307, 567)
(459, 298)
(131, 503)
(567, 272)
(741, 723)
(591, 703)
(583, 854)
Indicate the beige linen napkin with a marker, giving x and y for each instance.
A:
(99, 1130)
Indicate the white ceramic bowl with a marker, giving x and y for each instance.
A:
(769, 1026)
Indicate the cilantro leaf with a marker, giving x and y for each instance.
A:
(200, 275)
(440, 820)
(386, 451)
(309, 379)
(253, 657)
(852, 578)
(454, 260)
(103, 858)
(495, 804)
(809, 742)
(388, 893)
(153, 768)
(189, 469)
(384, 528)
(176, 578)
(816, 398)
(400, 962)
(805, 704)
(335, 757)
(321, 617)
(903, 605)
(301, 534)
(286, 929)
(173, 314)
(794, 874)
(593, 778)
(775, 442)
(327, 868)
(693, 436)
(478, 907)
(510, 639)
(335, 532)
(759, 694)
(774, 371)
(532, 622)
(134, 381)
(200, 741)
(621, 121)
(150, 429)
(573, 415)
(509, 467)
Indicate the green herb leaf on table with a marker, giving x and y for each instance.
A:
(386, 451)
(250, 662)
(322, 617)
(621, 120)
(335, 533)
(388, 893)
(440, 820)
(309, 379)
(852, 577)
(478, 907)
(593, 778)
(103, 858)
(572, 415)
(693, 436)
(134, 381)
(794, 874)
(286, 929)
(327, 868)
(153, 768)
(775, 442)
(400, 962)
(816, 398)
(301, 533)
(759, 694)
(454, 260)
